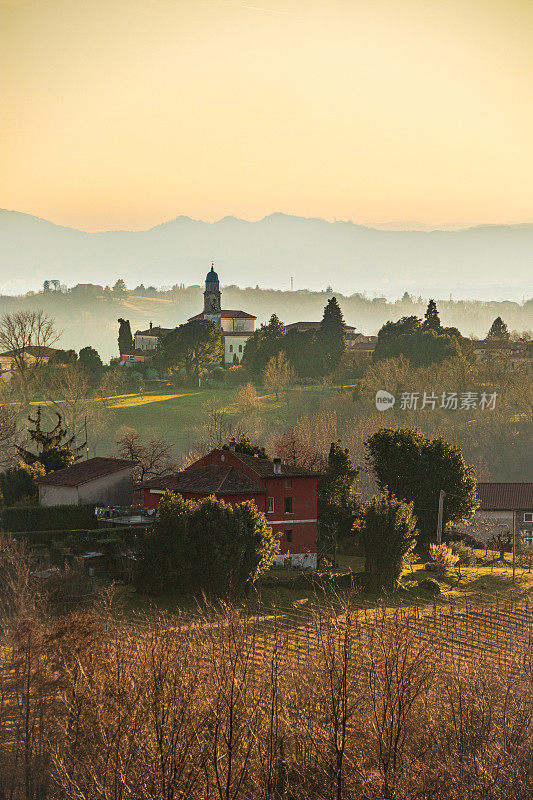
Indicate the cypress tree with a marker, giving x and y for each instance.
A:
(431, 318)
(332, 335)
(125, 339)
(498, 330)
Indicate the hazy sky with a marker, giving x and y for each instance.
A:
(125, 113)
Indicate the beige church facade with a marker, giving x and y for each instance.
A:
(235, 326)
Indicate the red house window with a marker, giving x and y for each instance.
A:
(288, 505)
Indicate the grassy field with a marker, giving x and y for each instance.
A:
(178, 415)
(488, 582)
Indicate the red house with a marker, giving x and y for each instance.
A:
(286, 495)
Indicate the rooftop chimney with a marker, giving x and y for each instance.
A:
(150, 324)
(277, 466)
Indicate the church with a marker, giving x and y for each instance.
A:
(235, 326)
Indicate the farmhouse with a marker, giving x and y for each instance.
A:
(500, 501)
(103, 481)
(30, 354)
(286, 495)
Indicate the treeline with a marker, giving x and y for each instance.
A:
(91, 314)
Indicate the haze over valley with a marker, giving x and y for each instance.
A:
(487, 262)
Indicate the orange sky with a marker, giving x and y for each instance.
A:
(125, 113)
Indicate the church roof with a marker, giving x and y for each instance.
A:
(227, 314)
(211, 276)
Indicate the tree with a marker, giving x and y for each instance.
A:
(63, 357)
(431, 318)
(27, 336)
(498, 330)
(335, 496)
(205, 547)
(263, 345)
(119, 289)
(192, 346)
(245, 446)
(416, 469)
(387, 529)
(247, 398)
(151, 460)
(332, 335)
(421, 345)
(90, 360)
(125, 339)
(278, 373)
(8, 432)
(55, 449)
(18, 484)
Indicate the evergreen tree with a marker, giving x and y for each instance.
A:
(416, 469)
(388, 534)
(336, 501)
(63, 357)
(55, 449)
(245, 446)
(119, 289)
(125, 339)
(263, 345)
(431, 318)
(332, 335)
(90, 360)
(498, 330)
(205, 547)
(192, 346)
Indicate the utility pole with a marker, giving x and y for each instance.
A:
(439, 521)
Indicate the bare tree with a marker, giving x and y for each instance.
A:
(152, 459)
(278, 373)
(8, 433)
(27, 337)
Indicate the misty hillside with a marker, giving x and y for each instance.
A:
(486, 262)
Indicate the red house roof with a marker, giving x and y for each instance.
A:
(211, 479)
(505, 496)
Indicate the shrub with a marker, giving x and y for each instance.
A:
(46, 518)
(466, 538)
(443, 557)
(429, 585)
(466, 555)
(19, 483)
(206, 547)
(388, 534)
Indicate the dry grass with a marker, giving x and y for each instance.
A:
(335, 704)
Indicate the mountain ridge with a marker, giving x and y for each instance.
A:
(481, 261)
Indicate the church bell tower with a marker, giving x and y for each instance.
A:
(212, 297)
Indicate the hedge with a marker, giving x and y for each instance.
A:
(82, 540)
(47, 518)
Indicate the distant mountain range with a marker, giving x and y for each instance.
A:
(482, 262)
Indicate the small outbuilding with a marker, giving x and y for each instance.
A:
(103, 481)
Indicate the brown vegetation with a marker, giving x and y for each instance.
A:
(337, 704)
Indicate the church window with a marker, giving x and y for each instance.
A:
(240, 348)
(231, 348)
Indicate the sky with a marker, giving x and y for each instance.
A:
(126, 113)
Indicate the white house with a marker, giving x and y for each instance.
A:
(102, 481)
